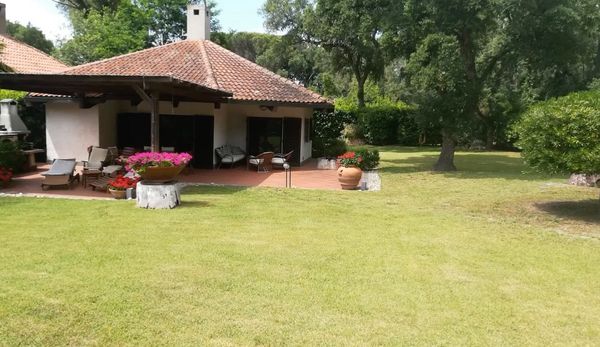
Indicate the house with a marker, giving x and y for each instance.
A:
(22, 58)
(192, 95)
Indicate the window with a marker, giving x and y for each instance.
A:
(196, 12)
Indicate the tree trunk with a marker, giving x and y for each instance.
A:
(446, 160)
(489, 141)
(361, 92)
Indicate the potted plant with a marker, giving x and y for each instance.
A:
(5, 176)
(119, 186)
(158, 167)
(370, 167)
(349, 173)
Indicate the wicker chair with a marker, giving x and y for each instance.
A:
(280, 159)
(263, 162)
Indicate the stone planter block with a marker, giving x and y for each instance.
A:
(373, 180)
(584, 180)
(158, 196)
(327, 164)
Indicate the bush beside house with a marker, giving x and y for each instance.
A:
(11, 156)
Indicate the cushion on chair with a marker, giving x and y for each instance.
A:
(237, 151)
(234, 158)
(278, 161)
(256, 161)
(61, 167)
(94, 165)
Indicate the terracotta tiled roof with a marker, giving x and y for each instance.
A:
(207, 64)
(23, 58)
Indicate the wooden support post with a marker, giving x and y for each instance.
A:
(154, 101)
(155, 123)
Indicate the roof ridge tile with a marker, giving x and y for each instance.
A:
(208, 65)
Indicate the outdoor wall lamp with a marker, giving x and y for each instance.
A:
(267, 108)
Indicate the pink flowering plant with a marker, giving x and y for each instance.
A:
(139, 162)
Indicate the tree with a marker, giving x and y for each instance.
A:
(104, 34)
(167, 19)
(563, 135)
(478, 38)
(298, 61)
(349, 30)
(31, 36)
(104, 29)
(84, 6)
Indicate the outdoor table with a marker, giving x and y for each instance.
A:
(30, 154)
(87, 173)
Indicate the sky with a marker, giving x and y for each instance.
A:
(238, 15)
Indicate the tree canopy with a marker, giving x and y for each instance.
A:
(107, 28)
(30, 35)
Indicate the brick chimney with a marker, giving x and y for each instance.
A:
(198, 21)
(3, 19)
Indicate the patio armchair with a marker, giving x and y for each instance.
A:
(230, 155)
(96, 160)
(61, 173)
(280, 159)
(263, 161)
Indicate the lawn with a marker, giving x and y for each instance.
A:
(490, 255)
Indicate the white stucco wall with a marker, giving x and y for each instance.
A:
(70, 130)
(108, 123)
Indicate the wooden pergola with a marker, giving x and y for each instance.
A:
(90, 90)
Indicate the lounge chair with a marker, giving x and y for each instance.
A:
(280, 159)
(230, 155)
(263, 161)
(96, 160)
(61, 173)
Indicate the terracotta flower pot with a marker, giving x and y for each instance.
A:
(349, 177)
(117, 194)
(161, 174)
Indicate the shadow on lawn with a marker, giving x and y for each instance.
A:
(583, 210)
(471, 165)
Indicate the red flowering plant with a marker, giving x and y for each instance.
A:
(350, 159)
(5, 175)
(123, 183)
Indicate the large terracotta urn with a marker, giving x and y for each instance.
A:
(161, 174)
(349, 177)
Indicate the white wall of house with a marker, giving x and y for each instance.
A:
(71, 129)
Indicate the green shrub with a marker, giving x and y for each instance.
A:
(329, 149)
(562, 135)
(11, 156)
(370, 159)
(388, 125)
(327, 133)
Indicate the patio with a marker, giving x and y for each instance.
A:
(305, 177)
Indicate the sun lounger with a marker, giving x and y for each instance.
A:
(61, 173)
(97, 159)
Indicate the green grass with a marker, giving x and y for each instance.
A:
(486, 256)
